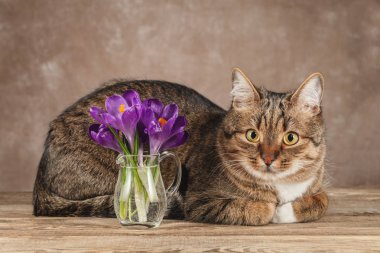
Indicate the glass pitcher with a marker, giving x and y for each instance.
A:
(140, 196)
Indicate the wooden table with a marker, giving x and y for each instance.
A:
(351, 225)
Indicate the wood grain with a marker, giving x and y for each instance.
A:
(351, 225)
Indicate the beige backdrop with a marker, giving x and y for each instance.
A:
(54, 52)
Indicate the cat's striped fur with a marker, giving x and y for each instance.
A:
(225, 178)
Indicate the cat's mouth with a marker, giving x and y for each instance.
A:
(271, 172)
(273, 168)
(269, 169)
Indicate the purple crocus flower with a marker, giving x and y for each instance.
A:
(151, 111)
(123, 113)
(104, 137)
(157, 125)
(96, 113)
(163, 126)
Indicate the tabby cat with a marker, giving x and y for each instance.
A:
(261, 161)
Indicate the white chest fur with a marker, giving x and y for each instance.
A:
(289, 192)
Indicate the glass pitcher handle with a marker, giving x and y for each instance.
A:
(177, 180)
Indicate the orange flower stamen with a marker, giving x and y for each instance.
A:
(162, 121)
(122, 108)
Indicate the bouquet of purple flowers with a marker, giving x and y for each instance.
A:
(127, 126)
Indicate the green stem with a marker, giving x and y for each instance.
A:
(130, 208)
(123, 213)
(136, 146)
(123, 175)
(138, 180)
(155, 174)
(122, 145)
(138, 183)
(140, 200)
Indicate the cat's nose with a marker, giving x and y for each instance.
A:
(268, 160)
(268, 154)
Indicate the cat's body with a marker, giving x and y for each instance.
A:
(76, 177)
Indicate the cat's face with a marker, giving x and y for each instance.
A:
(273, 136)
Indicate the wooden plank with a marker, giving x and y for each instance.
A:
(330, 225)
(352, 224)
(342, 200)
(354, 201)
(192, 244)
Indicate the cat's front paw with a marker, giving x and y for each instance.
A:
(284, 214)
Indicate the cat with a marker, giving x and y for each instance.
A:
(260, 162)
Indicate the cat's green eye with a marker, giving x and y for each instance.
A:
(291, 138)
(252, 136)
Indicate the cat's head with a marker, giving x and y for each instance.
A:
(273, 136)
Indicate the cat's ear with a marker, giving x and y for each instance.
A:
(308, 96)
(244, 93)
